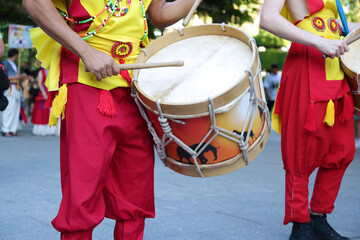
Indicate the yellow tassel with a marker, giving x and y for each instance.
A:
(330, 114)
(58, 106)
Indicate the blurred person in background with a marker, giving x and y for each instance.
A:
(271, 84)
(41, 110)
(10, 116)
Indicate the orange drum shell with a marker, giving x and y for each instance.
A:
(352, 75)
(225, 104)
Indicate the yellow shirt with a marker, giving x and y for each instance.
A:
(128, 28)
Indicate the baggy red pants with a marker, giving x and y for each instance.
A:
(331, 149)
(107, 166)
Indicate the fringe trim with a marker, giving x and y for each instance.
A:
(330, 114)
(348, 109)
(58, 106)
(106, 104)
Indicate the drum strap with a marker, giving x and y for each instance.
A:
(345, 28)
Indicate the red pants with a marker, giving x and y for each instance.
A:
(331, 149)
(107, 166)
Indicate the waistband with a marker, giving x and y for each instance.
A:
(322, 23)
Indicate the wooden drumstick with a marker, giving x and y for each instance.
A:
(192, 11)
(348, 42)
(151, 65)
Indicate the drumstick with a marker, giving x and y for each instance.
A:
(192, 10)
(348, 42)
(151, 65)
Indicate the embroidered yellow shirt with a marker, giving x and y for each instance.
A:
(128, 28)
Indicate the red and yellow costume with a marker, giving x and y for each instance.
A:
(313, 113)
(106, 157)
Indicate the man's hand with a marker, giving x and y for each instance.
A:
(100, 64)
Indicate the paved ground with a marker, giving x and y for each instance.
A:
(246, 204)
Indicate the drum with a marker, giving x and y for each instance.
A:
(209, 117)
(350, 63)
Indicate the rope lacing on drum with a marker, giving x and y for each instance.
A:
(144, 51)
(169, 135)
(358, 82)
(160, 148)
(181, 31)
(223, 27)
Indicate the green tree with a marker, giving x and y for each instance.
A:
(353, 7)
(229, 11)
(234, 12)
(269, 40)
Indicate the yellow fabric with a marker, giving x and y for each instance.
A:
(332, 66)
(58, 106)
(276, 122)
(330, 114)
(128, 28)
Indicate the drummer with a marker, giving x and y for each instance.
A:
(106, 156)
(313, 111)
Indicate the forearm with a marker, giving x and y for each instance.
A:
(45, 15)
(39, 82)
(163, 14)
(273, 22)
(13, 78)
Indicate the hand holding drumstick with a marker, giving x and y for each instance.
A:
(346, 42)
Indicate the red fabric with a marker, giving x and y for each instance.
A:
(41, 110)
(78, 12)
(23, 115)
(322, 89)
(330, 148)
(69, 67)
(40, 114)
(129, 229)
(125, 73)
(315, 5)
(106, 164)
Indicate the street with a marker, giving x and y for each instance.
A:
(247, 204)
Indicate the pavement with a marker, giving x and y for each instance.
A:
(247, 204)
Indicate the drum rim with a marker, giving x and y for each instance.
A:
(199, 108)
(348, 70)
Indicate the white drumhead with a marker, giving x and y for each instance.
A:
(213, 65)
(352, 58)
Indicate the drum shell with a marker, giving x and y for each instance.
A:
(352, 76)
(196, 115)
(222, 155)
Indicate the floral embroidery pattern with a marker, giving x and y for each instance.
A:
(319, 24)
(121, 49)
(333, 25)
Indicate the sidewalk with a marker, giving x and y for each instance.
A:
(244, 205)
